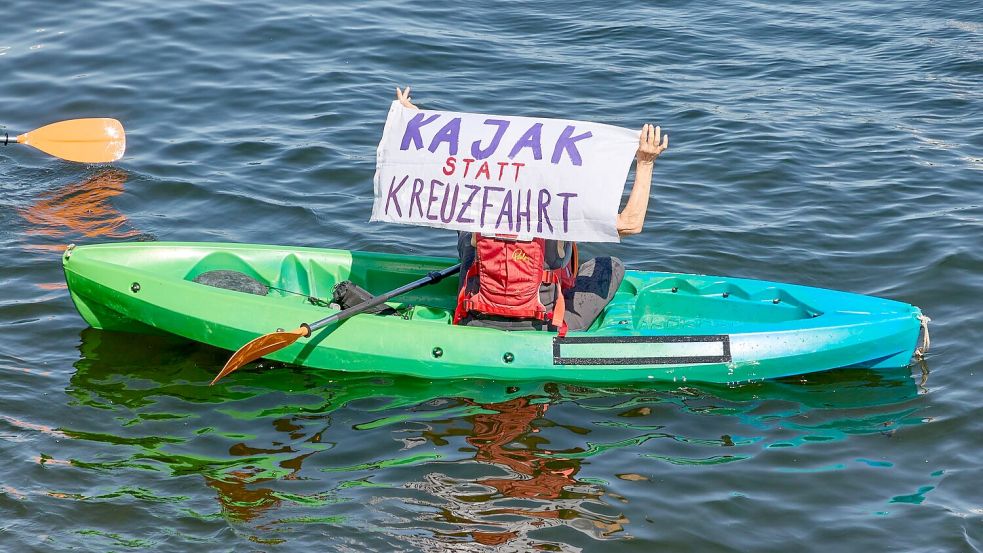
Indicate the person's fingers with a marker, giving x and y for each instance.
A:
(641, 136)
(657, 137)
(665, 142)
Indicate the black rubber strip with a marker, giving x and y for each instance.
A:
(692, 359)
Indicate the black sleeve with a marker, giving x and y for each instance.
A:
(466, 253)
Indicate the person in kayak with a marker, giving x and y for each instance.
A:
(569, 295)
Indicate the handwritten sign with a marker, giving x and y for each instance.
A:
(527, 176)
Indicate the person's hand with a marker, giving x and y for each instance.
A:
(651, 143)
(404, 98)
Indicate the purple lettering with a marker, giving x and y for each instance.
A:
(480, 153)
(415, 196)
(506, 209)
(544, 216)
(391, 197)
(566, 204)
(519, 212)
(449, 134)
(446, 216)
(484, 202)
(532, 138)
(568, 142)
(431, 198)
(412, 132)
(467, 204)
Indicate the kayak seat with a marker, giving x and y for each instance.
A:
(232, 280)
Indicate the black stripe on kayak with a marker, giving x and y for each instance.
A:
(723, 339)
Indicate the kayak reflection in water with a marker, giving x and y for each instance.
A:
(586, 288)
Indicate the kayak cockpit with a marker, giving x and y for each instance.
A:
(707, 303)
(693, 303)
(315, 276)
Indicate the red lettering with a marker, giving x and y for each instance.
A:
(517, 165)
(483, 169)
(449, 166)
(467, 165)
(501, 169)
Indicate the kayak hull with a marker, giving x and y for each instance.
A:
(660, 326)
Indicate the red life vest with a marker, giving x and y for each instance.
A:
(509, 273)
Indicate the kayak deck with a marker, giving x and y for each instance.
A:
(662, 326)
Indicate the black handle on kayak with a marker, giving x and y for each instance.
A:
(431, 278)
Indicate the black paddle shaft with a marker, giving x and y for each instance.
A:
(432, 277)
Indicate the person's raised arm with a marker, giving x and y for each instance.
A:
(651, 143)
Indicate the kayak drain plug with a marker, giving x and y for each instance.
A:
(135, 287)
(437, 353)
(508, 357)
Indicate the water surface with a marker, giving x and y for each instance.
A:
(831, 144)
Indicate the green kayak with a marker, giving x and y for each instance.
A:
(659, 326)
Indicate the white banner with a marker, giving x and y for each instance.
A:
(493, 174)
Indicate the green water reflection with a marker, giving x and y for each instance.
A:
(281, 449)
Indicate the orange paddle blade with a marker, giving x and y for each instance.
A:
(264, 345)
(96, 140)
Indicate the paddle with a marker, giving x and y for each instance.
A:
(95, 140)
(275, 341)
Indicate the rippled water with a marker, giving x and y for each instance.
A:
(834, 144)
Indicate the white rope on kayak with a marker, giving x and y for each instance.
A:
(921, 350)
